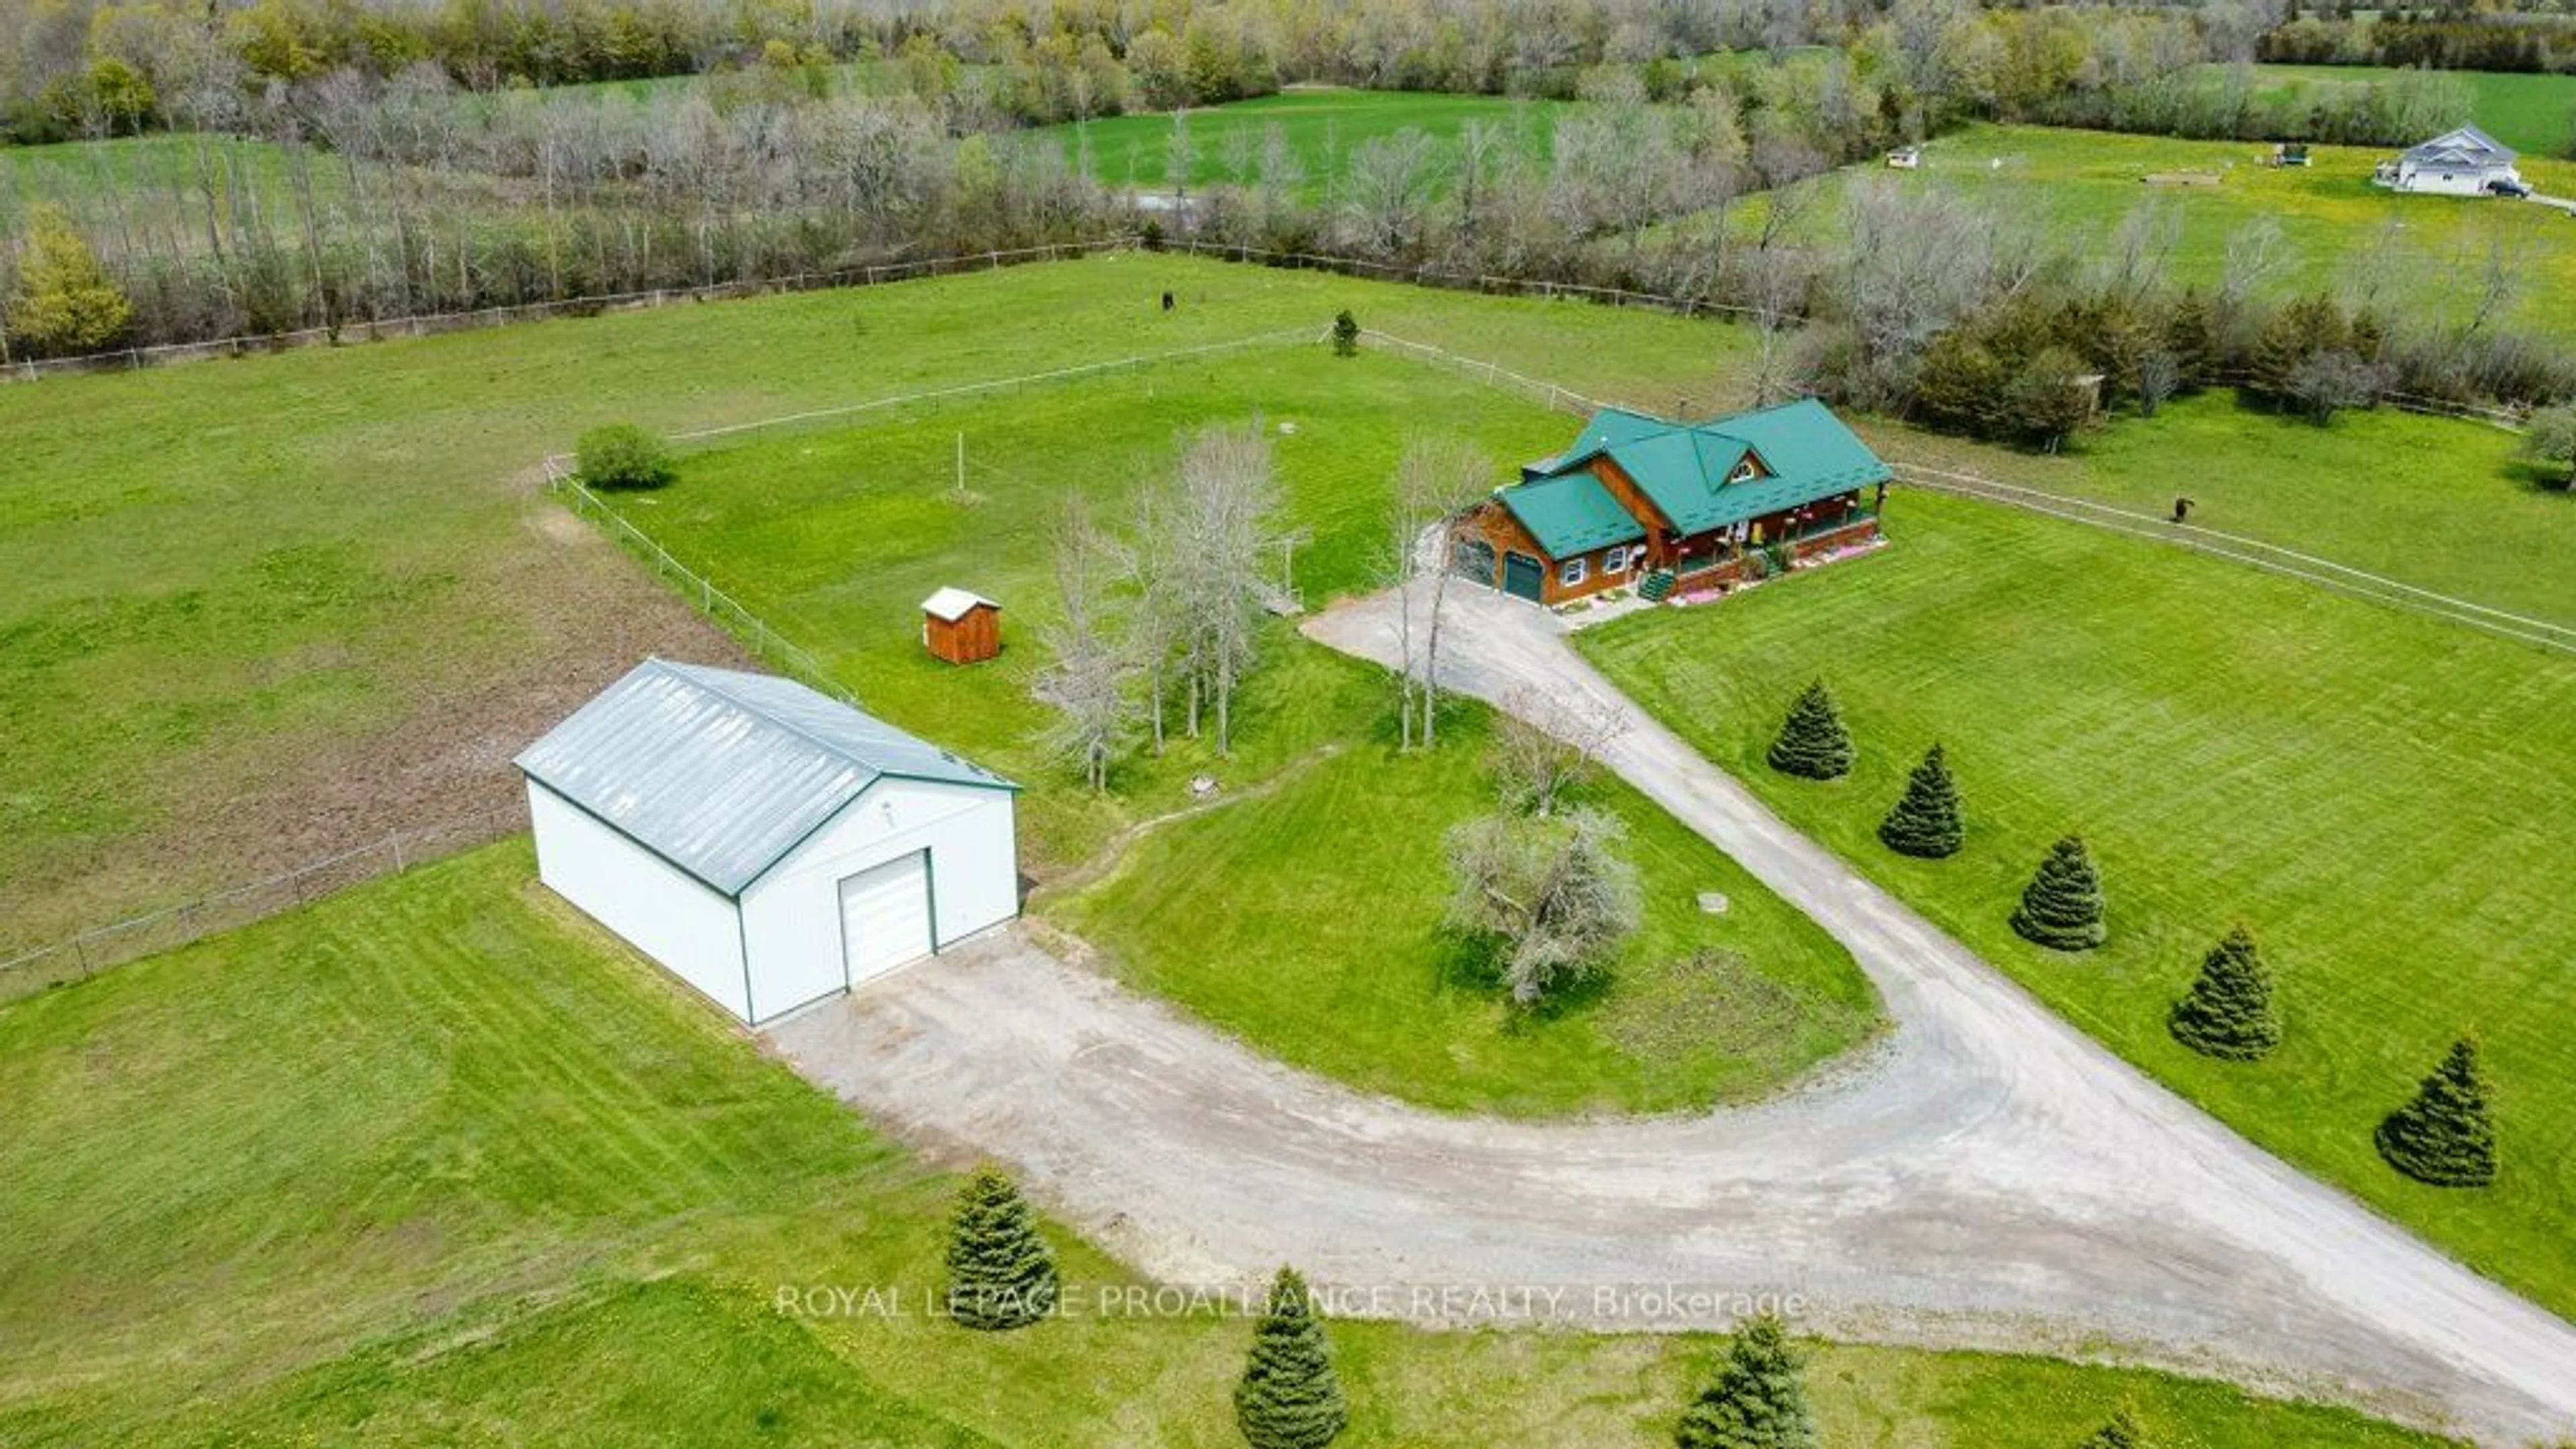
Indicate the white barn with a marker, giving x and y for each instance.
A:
(769, 845)
(2465, 162)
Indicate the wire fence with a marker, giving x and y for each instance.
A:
(89, 952)
(439, 323)
(1426, 275)
(729, 613)
(1546, 394)
(2269, 557)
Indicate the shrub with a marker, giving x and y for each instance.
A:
(2229, 1012)
(1924, 821)
(623, 455)
(1289, 1397)
(1757, 1400)
(2061, 908)
(2122, 1432)
(2552, 439)
(1346, 334)
(2446, 1136)
(1001, 1274)
(65, 303)
(1812, 741)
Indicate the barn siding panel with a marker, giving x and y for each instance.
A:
(654, 906)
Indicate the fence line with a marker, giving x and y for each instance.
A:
(1025, 379)
(697, 588)
(1426, 275)
(1548, 394)
(86, 953)
(2271, 558)
(438, 323)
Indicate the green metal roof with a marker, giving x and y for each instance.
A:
(1682, 468)
(1571, 514)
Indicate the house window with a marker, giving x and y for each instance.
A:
(1571, 572)
(1745, 472)
(1615, 561)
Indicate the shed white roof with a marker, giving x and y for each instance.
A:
(952, 604)
(2467, 148)
(722, 773)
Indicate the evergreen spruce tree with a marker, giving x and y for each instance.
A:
(1925, 819)
(2061, 908)
(1001, 1274)
(2229, 1011)
(1812, 740)
(2122, 1432)
(2446, 1136)
(1290, 1398)
(1756, 1401)
(1346, 334)
(2191, 335)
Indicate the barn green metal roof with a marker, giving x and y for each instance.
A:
(1682, 467)
(1571, 514)
(722, 773)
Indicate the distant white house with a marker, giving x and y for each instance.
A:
(770, 846)
(2465, 162)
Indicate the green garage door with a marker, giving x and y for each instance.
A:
(1523, 576)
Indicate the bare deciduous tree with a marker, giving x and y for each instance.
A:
(1221, 539)
(1547, 743)
(1436, 484)
(1553, 895)
(1089, 681)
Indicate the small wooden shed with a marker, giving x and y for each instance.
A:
(960, 627)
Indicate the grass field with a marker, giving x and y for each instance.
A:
(319, 587)
(434, 1161)
(2535, 114)
(1323, 126)
(2449, 507)
(1383, 998)
(2080, 184)
(2375, 794)
(835, 537)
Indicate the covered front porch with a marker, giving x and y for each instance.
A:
(1728, 555)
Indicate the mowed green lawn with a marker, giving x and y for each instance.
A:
(255, 612)
(1322, 125)
(2381, 797)
(437, 1161)
(2535, 114)
(2080, 184)
(2448, 506)
(836, 536)
(1220, 912)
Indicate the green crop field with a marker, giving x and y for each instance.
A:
(2535, 114)
(1322, 126)
(835, 537)
(2080, 184)
(2372, 792)
(437, 1161)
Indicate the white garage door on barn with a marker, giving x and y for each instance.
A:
(771, 846)
(885, 916)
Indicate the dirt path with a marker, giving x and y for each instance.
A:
(1991, 1178)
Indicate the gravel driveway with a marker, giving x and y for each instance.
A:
(1988, 1178)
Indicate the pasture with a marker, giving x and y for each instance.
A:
(2414, 257)
(2373, 793)
(1321, 125)
(835, 537)
(324, 590)
(475, 1173)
